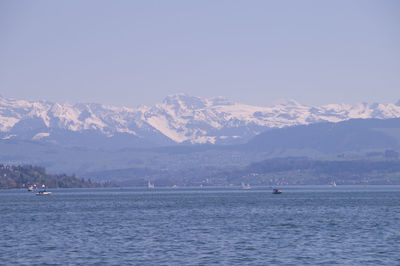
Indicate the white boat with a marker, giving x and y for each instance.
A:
(43, 192)
(333, 184)
(150, 185)
(246, 186)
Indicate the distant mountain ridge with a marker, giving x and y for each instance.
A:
(178, 119)
(334, 138)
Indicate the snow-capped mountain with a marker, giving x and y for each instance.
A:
(178, 119)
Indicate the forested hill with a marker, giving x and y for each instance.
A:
(27, 175)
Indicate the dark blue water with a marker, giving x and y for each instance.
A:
(304, 225)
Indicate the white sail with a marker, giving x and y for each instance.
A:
(150, 185)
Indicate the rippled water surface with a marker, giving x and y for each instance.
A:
(304, 225)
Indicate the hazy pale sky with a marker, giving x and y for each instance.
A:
(255, 52)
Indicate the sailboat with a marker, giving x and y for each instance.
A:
(333, 184)
(150, 185)
(43, 192)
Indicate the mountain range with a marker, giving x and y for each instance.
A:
(184, 138)
(179, 119)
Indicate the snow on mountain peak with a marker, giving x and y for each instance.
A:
(40, 135)
(185, 101)
(180, 117)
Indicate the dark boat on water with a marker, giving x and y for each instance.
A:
(276, 191)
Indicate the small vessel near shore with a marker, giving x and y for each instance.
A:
(276, 191)
(32, 188)
(43, 192)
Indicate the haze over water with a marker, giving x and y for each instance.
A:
(353, 225)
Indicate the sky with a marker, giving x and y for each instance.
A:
(256, 52)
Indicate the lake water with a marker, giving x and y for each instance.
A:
(351, 225)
